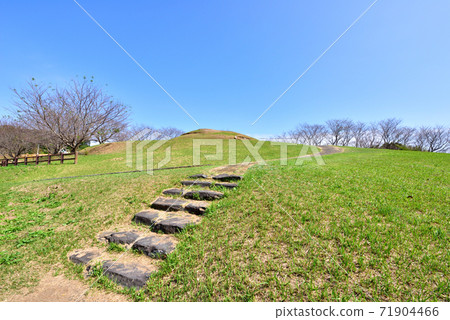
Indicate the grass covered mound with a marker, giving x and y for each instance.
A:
(213, 134)
(112, 157)
(368, 225)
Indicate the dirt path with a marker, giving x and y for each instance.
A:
(61, 289)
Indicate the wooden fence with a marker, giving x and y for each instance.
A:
(36, 159)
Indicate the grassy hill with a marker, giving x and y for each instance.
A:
(111, 157)
(370, 225)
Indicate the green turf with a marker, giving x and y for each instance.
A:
(369, 225)
(181, 155)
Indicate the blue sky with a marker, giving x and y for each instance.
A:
(227, 61)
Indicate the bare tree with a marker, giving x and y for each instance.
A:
(49, 140)
(420, 138)
(359, 131)
(14, 139)
(389, 130)
(437, 139)
(336, 130)
(170, 132)
(312, 134)
(110, 131)
(73, 113)
(406, 135)
(347, 133)
(371, 137)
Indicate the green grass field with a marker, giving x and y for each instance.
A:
(369, 225)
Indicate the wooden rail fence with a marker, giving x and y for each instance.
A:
(36, 159)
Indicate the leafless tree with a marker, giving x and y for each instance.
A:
(73, 113)
(437, 139)
(371, 138)
(406, 135)
(420, 138)
(14, 139)
(170, 133)
(312, 134)
(49, 140)
(284, 137)
(336, 130)
(110, 131)
(347, 134)
(359, 131)
(389, 130)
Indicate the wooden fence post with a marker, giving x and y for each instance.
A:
(49, 160)
(37, 159)
(76, 156)
(25, 161)
(62, 158)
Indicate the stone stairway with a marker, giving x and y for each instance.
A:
(167, 215)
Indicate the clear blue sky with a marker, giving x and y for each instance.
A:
(227, 61)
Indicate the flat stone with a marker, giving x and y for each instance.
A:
(174, 224)
(146, 217)
(196, 183)
(227, 177)
(155, 246)
(203, 195)
(209, 184)
(167, 222)
(199, 176)
(168, 204)
(127, 275)
(197, 208)
(173, 192)
(84, 257)
(125, 237)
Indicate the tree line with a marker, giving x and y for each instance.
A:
(387, 134)
(66, 118)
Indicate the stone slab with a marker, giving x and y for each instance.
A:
(173, 192)
(209, 184)
(227, 177)
(167, 222)
(168, 204)
(155, 246)
(197, 208)
(124, 237)
(199, 176)
(84, 257)
(126, 275)
(203, 195)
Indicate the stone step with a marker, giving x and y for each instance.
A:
(130, 275)
(167, 222)
(173, 192)
(123, 237)
(199, 176)
(208, 184)
(125, 269)
(155, 246)
(168, 204)
(197, 207)
(227, 177)
(195, 194)
(203, 195)
(84, 256)
(149, 243)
